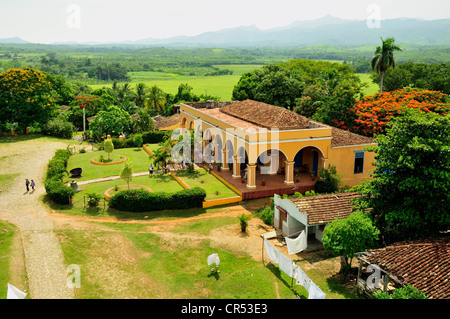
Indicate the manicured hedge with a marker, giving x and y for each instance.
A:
(152, 137)
(56, 190)
(139, 200)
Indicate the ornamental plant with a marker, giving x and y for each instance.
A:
(373, 113)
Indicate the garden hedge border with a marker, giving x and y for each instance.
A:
(143, 201)
(108, 197)
(56, 190)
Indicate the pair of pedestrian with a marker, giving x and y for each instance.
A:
(28, 184)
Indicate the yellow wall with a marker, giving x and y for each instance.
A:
(344, 160)
(319, 139)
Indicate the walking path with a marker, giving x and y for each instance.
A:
(46, 271)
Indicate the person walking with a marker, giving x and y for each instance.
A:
(27, 184)
(32, 184)
(150, 170)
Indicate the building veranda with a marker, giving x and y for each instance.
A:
(264, 149)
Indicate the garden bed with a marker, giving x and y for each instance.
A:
(112, 160)
(110, 192)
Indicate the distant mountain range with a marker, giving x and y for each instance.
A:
(327, 30)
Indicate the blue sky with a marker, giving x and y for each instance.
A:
(47, 21)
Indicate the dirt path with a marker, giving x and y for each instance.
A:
(44, 260)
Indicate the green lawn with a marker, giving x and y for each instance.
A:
(139, 158)
(220, 85)
(214, 188)
(372, 87)
(170, 269)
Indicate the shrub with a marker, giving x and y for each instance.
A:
(266, 215)
(328, 181)
(58, 127)
(93, 199)
(243, 221)
(154, 137)
(406, 292)
(56, 190)
(140, 200)
(137, 140)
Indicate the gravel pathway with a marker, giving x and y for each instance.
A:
(46, 271)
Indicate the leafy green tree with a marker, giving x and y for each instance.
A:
(108, 145)
(26, 97)
(434, 77)
(329, 180)
(137, 140)
(409, 194)
(331, 99)
(113, 121)
(346, 237)
(384, 58)
(127, 173)
(272, 84)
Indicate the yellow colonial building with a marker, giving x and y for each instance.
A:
(261, 144)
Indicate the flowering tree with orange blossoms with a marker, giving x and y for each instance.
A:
(374, 112)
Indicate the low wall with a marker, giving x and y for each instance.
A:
(221, 201)
(149, 151)
(180, 181)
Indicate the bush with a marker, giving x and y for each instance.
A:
(154, 137)
(406, 292)
(93, 199)
(137, 140)
(59, 127)
(56, 190)
(266, 215)
(243, 221)
(328, 181)
(142, 201)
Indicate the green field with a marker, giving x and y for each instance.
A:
(219, 85)
(372, 88)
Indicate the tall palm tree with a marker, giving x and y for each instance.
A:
(156, 99)
(140, 94)
(384, 58)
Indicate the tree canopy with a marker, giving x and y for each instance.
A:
(25, 97)
(345, 237)
(435, 77)
(372, 114)
(409, 194)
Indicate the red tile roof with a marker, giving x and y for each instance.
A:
(344, 138)
(254, 114)
(266, 115)
(423, 264)
(324, 209)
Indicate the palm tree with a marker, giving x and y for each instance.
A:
(156, 99)
(140, 94)
(384, 58)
